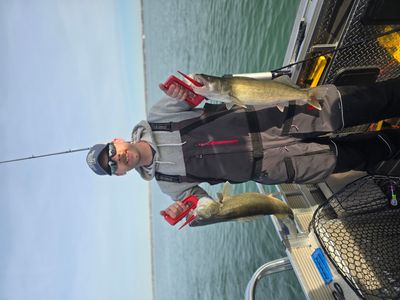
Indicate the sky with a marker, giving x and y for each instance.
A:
(71, 75)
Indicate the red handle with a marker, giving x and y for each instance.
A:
(172, 79)
(192, 98)
(191, 201)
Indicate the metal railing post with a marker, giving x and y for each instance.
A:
(275, 266)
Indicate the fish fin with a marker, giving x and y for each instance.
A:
(220, 197)
(237, 101)
(226, 191)
(314, 103)
(284, 79)
(229, 105)
(248, 219)
(281, 107)
(273, 195)
(316, 94)
(319, 92)
(281, 216)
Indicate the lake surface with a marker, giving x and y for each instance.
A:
(215, 37)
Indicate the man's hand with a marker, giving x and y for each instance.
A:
(174, 209)
(174, 91)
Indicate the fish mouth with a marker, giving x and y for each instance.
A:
(210, 86)
(201, 79)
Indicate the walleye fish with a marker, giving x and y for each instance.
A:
(244, 205)
(244, 91)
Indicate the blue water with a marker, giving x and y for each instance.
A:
(215, 37)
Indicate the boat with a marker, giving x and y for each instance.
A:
(348, 226)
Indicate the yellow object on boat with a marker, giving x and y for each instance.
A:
(316, 73)
(391, 43)
(379, 125)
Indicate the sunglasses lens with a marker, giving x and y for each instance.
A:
(113, 166)
(111, 152)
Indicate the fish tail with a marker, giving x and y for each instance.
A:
(281, 216)
(315, 95)
(288, 213)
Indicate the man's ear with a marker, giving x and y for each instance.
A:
(118, 140)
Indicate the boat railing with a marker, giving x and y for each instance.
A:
(272, 267)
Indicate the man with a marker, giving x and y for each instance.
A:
(182, 146)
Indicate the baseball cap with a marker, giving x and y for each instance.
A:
(93, 159)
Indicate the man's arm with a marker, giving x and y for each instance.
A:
(173, 107)
(176, 208)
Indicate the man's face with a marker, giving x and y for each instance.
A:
(127, 156)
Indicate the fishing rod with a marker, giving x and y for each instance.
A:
(338, 49)
(276, 71)
(281, 71)
(44, 155)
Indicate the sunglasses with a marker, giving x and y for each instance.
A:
(111, 152)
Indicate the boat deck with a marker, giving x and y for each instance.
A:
(304, 200)
(328, 25)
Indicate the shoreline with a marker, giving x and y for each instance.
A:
(152, 279)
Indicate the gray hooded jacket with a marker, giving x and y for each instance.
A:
(281, 142)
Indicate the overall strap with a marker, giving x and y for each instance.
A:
(289, 118)
(189, 178)
(167, 126)
(289, 169)
(285, 131)
(255, 135)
